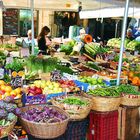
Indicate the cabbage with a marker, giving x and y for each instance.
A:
(43, 115)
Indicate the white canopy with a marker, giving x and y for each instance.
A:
(68, 4)
(110, 12)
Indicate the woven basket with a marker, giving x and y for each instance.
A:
(4, 131)
(128, 100)
(75, 112)
(44, 130)
(104, 104)
(18, 102)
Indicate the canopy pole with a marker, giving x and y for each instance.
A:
(122, 41)
(32, 15)
(116, 29)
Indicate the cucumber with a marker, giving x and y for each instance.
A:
(90, 49)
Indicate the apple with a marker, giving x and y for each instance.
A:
(60, 90)
(32, 88)
(50, 86)
(48, 83)
(63, 86)
(37, 83)
(43, 84)
(56, 85)
(32, 91)
(55, 90)
(38, 91)
(50, 91)
(61, 81)
(13, 96)
(2, 92)
(46, 88)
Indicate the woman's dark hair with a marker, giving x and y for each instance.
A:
(42, 33)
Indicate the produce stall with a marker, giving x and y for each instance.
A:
(70, 90)
(64, 94)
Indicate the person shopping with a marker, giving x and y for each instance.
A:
(129, 34)
(27, 42)
(43, 41)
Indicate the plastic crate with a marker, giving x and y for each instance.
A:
(86, 87)
(77, 130)
(83, 86)
(103, 126)
(54, 95)
(30, 100)
(39, 99)
(112, 82)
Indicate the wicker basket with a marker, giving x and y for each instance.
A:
(104, 104)
(18, 102)
(4, 131)
(75, 112)
(130, 100)
(44, 130)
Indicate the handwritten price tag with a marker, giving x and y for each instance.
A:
(16, 82)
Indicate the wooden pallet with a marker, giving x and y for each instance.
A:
(128, 124)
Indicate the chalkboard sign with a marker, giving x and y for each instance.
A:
(10, 22)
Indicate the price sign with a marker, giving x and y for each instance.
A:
(16, 81)
(64, 64)
(70, 77)
(10, 21)
(24, 52)
(9, 60)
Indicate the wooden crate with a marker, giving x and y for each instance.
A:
(128, 124)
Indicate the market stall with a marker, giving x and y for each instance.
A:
(71, 93)
(77, 80)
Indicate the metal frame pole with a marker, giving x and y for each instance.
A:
(116, 29)
(32, 14)
(122, 41)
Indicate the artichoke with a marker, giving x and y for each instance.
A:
(11, 117)
(10, 107)
(3, 113)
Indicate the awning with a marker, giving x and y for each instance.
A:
(109, 12)
(70, 5)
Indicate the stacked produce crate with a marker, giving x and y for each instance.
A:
(104, 117)
(128, 128)
(129, 113)
(77, 129)
(103, 126)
